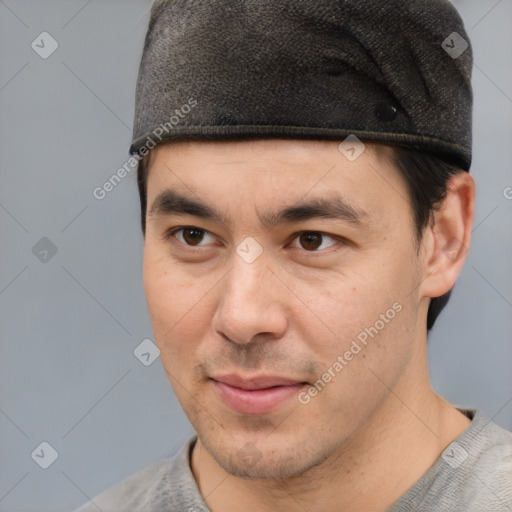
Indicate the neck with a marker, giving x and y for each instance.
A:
(393, 450)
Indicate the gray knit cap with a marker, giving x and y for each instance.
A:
(390, 71)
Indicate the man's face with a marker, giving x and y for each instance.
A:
(237, 297)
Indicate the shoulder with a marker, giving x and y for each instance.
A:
(472, 474)
(487, 467)
(167, 484)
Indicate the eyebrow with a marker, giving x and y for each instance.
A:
(171, 202)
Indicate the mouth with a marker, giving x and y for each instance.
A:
(259, 395)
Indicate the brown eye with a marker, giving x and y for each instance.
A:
(190, 235)
(312, 240)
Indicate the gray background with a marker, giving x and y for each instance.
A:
(69, 325)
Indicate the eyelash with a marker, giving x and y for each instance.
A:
(170, 234)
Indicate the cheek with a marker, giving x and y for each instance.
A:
(366, 355)
(344, 304)
(366, 318)
(176, 303)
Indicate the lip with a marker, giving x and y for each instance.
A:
(258, 395)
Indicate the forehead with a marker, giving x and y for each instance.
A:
(277, 171)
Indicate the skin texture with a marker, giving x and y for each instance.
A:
(377, 426)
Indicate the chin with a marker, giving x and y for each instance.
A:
(247, 460)
(277, 467)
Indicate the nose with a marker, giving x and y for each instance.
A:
(252, 303)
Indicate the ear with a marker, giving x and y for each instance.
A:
(446, 241)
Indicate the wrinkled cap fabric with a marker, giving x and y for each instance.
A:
(394, 72)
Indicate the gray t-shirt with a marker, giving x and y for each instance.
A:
(473, 474)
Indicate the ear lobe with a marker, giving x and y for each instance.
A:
(449, 236)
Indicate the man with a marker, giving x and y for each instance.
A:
(307, 208)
